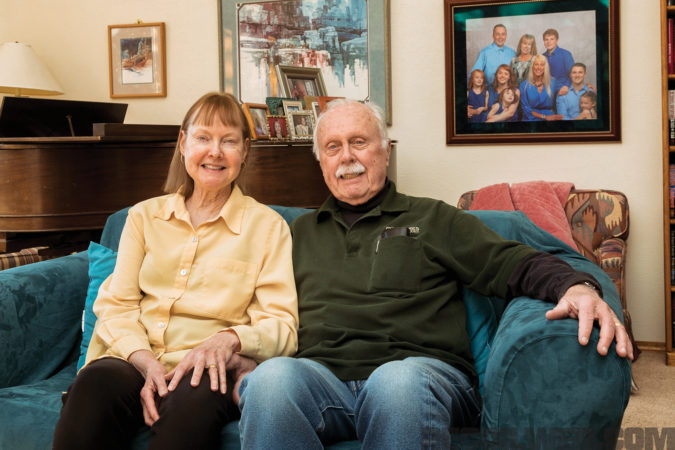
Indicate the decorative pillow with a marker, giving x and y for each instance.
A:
(101, 264)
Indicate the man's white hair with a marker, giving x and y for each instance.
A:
(375, 111)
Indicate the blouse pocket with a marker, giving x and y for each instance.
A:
(397, 265)
(226, 288)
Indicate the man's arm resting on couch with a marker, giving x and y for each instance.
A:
(578, 296)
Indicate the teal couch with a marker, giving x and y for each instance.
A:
(540, 388)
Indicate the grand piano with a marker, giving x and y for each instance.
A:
(58, 185)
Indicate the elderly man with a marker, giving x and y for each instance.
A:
(494, 55)
(383, 350)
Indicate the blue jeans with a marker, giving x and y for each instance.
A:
(290, 403)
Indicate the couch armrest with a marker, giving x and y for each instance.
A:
(542, 386)
(40, 316)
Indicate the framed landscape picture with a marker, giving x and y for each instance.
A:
(532, 71)
(137, 60)
(346, 40)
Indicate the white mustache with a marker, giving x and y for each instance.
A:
(354, 168)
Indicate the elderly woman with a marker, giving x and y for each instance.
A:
(203, 286)
(537, 92)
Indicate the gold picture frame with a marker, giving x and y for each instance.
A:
(256, 114)
(301, 124)
(298, 82)
(137, 60)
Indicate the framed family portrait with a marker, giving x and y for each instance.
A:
(301, 124)
(137, 60)
(278, 126)
(532, 71)
(256, 114)
(346, 40)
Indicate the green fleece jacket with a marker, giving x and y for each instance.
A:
(389, 286)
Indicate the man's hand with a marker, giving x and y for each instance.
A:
(154, 372)
(239, 367)
(583, 303)
(214, 355)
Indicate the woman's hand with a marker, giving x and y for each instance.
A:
(154, 373)
(214, 355)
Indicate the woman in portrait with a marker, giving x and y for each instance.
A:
(202, 289)
(504, 79)
(520, 64)
(537, 93)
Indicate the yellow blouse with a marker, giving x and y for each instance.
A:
(173, 286)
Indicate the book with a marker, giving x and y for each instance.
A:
(669, 48)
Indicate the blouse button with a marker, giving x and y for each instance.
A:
(183, 272)
(161, 325)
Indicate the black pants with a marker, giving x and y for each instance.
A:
(102, 409)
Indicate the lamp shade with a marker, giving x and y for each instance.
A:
(22, 72)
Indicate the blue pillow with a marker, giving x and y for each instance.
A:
(101, 264)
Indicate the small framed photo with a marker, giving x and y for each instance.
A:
(308, 100)
(301, 124)
(297, 82)
(278, 126)
(316, 111)
(323, 102)
(276, 106)
(292, 106)
(137, 60)
(257, 113)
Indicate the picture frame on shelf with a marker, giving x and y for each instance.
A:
(292, 105)
(276, 106)
(587, 32)
(278, 126)
(137, 60)
(301, 124)
(308, 100)
(256, 114)
(298, 82)
(315, 109)
(248, 53)
(323, 102)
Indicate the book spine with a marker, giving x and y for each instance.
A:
(671, 62)
(671, 189)
(672, 257)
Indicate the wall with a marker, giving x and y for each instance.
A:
(73, 42)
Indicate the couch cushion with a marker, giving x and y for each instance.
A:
(101, 265)
(29, 413)
(38, 329)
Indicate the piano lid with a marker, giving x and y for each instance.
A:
(39, 117)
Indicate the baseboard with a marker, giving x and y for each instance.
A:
(655, 346)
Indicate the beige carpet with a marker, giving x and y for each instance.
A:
(654, 404)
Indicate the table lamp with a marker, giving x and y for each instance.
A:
(22, 72)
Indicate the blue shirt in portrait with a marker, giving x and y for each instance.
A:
(490, 58)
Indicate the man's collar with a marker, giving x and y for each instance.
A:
(392, 202)
(232, 212)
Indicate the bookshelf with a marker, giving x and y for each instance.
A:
(668, 105)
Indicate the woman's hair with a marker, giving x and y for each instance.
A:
(533, 43)
(512, 76)
(471, 79)
(547, 72)
(210, 108)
